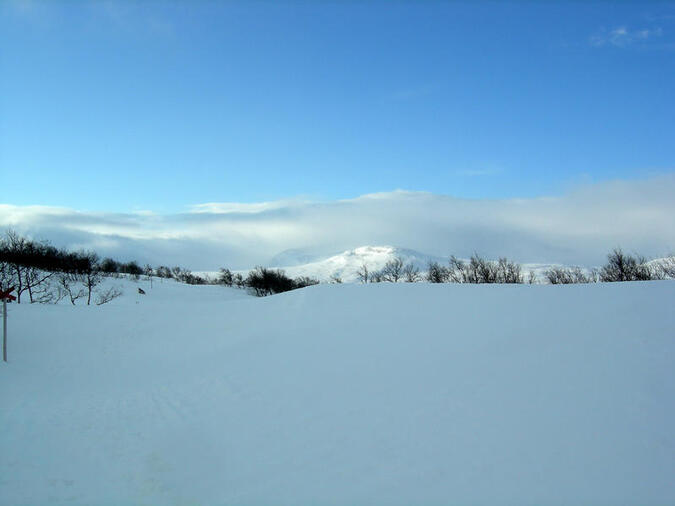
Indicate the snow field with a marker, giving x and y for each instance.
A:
(344, 394)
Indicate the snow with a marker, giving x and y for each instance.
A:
(343, 394)
(346, 264)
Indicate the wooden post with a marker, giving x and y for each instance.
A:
(4, 330)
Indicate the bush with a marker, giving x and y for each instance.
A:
(304, 281)
(437, 273)
(392, 270)
(225, 277)
(266, 281)
(568, 276)
(666, 266)
(623, 267)
(480, 270)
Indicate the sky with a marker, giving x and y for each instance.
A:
(152, 110)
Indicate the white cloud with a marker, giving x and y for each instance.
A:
(622, 36)
(579, 227)
(237, 207)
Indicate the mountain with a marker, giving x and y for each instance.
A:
(294, 257)
(345, 265)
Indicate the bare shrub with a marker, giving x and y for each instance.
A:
(532, 278)
(567, 276)
(479, 270)
(411, 274)
(68, 286)
(106, 296)
(437, 273)
(623, 267)
(392, 271)
(666, 267)
(225, 277)
(362, 274)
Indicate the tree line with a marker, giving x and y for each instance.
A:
(46, 274)
(620, 266)
(43, 273)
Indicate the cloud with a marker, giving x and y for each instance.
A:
(237, 207)
(621, 36)
(579, 227)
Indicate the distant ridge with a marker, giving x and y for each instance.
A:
(346, 264)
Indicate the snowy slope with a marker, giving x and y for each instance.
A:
(346, 264)
(344, 394)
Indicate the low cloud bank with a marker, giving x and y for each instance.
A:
(579, 227)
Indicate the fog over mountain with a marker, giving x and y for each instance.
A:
(579, 227)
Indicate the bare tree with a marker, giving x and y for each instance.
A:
(336, 279)
(14, 248)
(411, 273)
(39, 286)
(436, 273)
(376, 277)
(666, 266)
(225, 277)
(149, 272)
(457, 271)
(108, 295)
(567, 275)
(67, 286)
(508, 272)
(480, 270)
(392, 270)
(362, 274)
(623, 267)
(91, 275)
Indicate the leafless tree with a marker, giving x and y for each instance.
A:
(567, 275)
(149, 272)
(480, 270)
(532, 278)
(362, 274)
(623, 267)
(91, 275)
(107, 295)
(392, 270)
(376, 277)
(225, 277)
(457, 271)
(436, 273)
(666, 266)
(14, 247)
(411, 274)
(38, 283)
(68, 286)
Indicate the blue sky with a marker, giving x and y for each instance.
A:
(127, 106)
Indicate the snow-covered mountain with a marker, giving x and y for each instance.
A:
(346, 264)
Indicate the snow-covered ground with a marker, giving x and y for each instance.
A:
(343, 394)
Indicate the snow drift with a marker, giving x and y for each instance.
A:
(344, 394)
